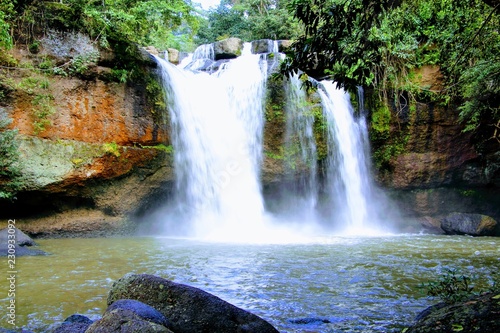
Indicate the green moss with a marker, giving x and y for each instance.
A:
(274, 156)
(155, 99)
(167, 149)
(391, 149)
(381, 122)
(111, 148)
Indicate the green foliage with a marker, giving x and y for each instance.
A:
(450, 287)
(160, 23)
(43, 107)
(453, 286)
(5, 38)
(10, 175)
(381, 121)
(483, 80)
(249, 20)
(377, 44)
(81, 62)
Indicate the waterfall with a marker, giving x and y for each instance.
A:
(347, 168)
(217, 120)
(349, 201)
(217, 124)
(301, 159)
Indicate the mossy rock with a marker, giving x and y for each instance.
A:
(479, 314)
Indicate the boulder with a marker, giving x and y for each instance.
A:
(173, 56)
(22, 244)
(21, 238)
(144, 311)
(153, 50)
(477, 314)
(431, 225)
(74, 324)
(189, 309)
(262, 46)
(125, 321)
(284, 45)
(469, 224)
(229, 48)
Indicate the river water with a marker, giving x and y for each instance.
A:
(335, 284)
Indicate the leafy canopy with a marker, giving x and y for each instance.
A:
(249, 20)
(170, 23)
(377, 44)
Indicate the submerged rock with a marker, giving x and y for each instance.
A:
(21, 238)
(23, 244)
(189, 309)
(469, 224)
(6, 330)
(477, 314)
(125, 321)
(74, 324)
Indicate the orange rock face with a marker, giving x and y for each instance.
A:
(93, 112)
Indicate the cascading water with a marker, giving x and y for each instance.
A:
(301, 159)
(217, 125)
(347, 171)
(344, 199)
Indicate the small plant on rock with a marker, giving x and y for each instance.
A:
(451, 286)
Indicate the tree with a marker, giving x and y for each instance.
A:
(146, 22)
(376, 44)
(249, 20)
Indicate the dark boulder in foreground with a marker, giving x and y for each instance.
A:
(188, 309)
(74, 324)
(144, 311)
(469, 224)
(125, 321)
(480, 314)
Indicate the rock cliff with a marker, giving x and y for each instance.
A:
(94, 150)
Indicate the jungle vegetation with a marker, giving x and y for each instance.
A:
(374, 44)
(379, 44)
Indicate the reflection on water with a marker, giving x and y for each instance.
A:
(339, 284)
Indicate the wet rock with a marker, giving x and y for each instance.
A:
(284, 45)
(431, 225)
(21, 238)
(173, 56)
(153, 50)
(144, 311)
(125, 321)
(469, 224)
(22, 244)
(6, 330)
(477, 314)
(262, 46)
(189, 309)
(74, 324)
(229, 48)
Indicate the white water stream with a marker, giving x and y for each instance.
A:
(217, 125)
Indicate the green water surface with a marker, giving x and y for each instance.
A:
(356, 284)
